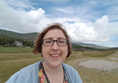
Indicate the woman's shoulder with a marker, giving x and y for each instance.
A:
(25, 75)
(68, 67)
(31, 67)
(72, 73)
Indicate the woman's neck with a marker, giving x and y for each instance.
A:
(52, 70)
(54, 74)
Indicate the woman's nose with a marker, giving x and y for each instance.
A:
(55, 46)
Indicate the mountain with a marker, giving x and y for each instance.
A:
(32, 36)
(27, 36)
(89, 45)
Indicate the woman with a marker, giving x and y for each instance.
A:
(54, 45)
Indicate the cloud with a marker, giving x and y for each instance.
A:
(67, 10)
(93, 32)
(58, 1)
(98, 32)
(107, 2)
(104, 28)
(106, 7)
(100, 26)
(33, 16)
(112, 12)
(84, 11)
(19, 4)
(81, 32)
(19, 20)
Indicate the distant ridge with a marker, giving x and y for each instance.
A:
(27, 36)
(32, 37)
(89, 45)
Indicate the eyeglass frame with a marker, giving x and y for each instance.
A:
(55, 41)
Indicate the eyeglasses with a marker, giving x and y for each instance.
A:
(50, 42)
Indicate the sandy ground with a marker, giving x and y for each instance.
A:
(99, 64)
(114, 58)
(116, 54)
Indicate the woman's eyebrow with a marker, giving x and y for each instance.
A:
(57, 38)
(61, 38)
(49, 38)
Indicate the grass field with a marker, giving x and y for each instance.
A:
(15, 49)
(13, 59)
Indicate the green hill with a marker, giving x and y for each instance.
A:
(32, 36)
(27, 36)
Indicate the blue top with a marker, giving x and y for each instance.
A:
(29, 74)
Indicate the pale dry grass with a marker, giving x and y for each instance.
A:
(22, 59)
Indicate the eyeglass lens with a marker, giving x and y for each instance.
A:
(50, 42)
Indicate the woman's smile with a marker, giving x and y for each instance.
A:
(55, 56)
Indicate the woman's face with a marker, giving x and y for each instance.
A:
(54, 55)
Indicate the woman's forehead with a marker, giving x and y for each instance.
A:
(54, 33)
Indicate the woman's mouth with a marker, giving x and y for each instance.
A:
(55, 55)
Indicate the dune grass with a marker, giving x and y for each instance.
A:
(11, 62)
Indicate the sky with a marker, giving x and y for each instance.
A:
(86, 21)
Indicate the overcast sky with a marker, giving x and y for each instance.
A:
(88, 21)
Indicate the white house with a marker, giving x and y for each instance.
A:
(17, 43)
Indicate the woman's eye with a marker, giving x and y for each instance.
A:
(61, 41)
(48, 41)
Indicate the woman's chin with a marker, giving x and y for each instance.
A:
(56, 64)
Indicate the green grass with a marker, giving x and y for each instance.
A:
(97, 76)
(16, 53)
(15, 49)
(16, 56)
(12, 61)
(9, 68)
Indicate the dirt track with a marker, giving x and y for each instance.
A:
(100, 64)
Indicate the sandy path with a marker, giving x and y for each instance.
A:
(116, 54)
(99, 64)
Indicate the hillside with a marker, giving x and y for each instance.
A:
(89, 45)
(28, 36)
(32, 36)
